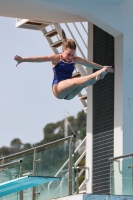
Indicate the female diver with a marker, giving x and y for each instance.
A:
(63, 85)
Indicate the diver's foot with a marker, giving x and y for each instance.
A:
(105, 70)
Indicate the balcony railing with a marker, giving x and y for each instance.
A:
(121, 175)
(44, 160)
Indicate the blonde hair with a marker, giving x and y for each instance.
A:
(67, 43)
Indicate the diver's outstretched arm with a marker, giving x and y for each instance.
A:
(87, 63)
(46, 58)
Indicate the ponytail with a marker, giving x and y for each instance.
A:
(63, 35)
(67, 43)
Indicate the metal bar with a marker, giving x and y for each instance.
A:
(80, 145)
(84, 182)
(82, 100)
(118, 157)
(68, 159)
(9, 164)
(62, 167)
(80, 35)
(78, 174)
(34, 173)
(76, 42)
(21, 172)
(26, 152)
(80, 158)
(81, 172)
(82, 167)
(77, 181)
(84, 28)
(70, 169)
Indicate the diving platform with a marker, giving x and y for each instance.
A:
(31, 24)
(23, 183)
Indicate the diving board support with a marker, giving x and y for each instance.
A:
(23, 183)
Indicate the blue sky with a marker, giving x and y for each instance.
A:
(26, 100)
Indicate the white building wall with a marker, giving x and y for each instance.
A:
(121, 21)
(89, 143)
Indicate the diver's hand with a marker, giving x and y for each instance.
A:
(109, 69)
(18, 59)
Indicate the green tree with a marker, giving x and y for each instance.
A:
(16, 143)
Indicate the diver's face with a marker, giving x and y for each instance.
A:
(68, 54)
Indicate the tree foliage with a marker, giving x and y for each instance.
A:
(16, 143)
(52, 132)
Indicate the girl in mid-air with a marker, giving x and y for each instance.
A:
(63, 65)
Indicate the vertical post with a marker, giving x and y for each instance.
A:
(89, 128)
(70, 168)
(65, 129)
(119, 130)
(77, 180)
(34, 173)
(3, 161)
(21, 171)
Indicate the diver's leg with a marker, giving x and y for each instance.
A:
(66, 87)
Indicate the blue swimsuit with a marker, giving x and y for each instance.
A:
(62, 71)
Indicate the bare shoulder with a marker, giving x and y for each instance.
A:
(53, 57)
(56, 59)
(77, 59)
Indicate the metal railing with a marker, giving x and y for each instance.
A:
(76, 167)
(121, 175)
(19, 162)
(78, 174)
(34, 151)
(37, 149)
(119, 157)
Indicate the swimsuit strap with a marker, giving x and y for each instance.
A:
(72, 60)
(64, 61)
(60, 57)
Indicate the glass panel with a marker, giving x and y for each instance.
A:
(27, 170)
(54, 162)
(7, 174)
(49, 162)
(121, 177)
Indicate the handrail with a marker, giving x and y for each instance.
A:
(67, 161)
(26, 152)
(68, 158)
(118, 157)
(11, 163)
